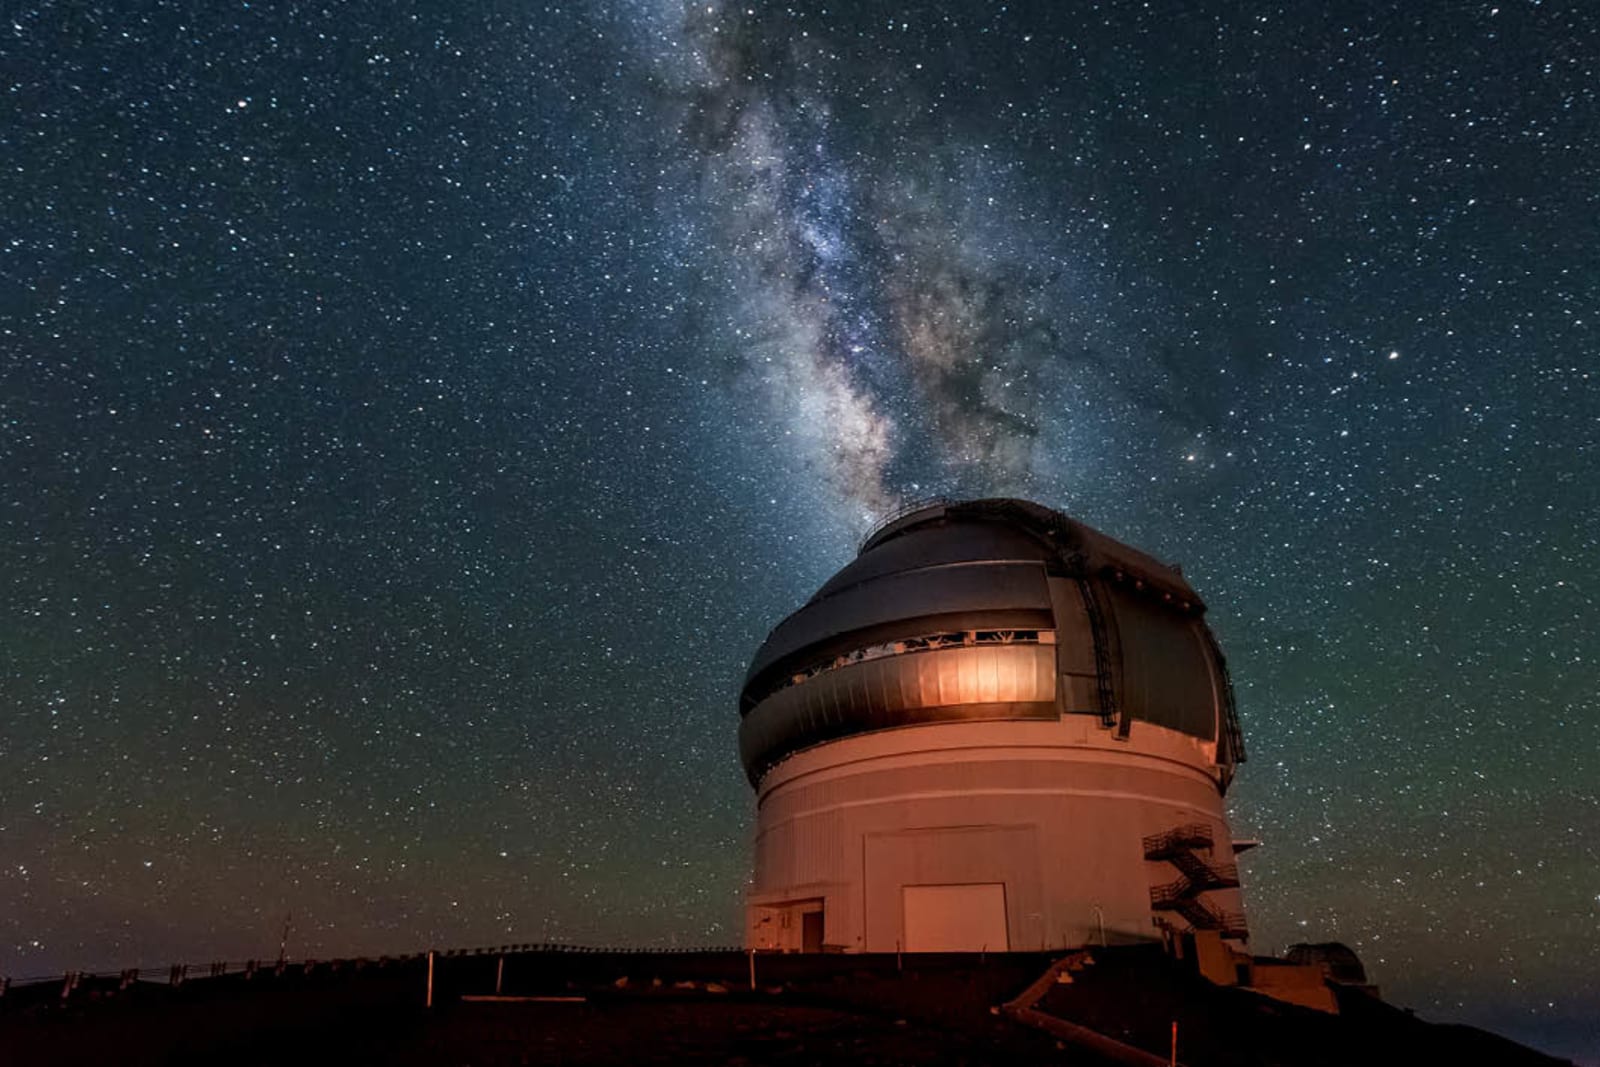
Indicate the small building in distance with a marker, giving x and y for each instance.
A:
(995, 729)
(1339, 961)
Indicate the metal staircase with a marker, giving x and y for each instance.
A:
(1197, 875)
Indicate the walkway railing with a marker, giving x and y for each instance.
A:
(177, 974)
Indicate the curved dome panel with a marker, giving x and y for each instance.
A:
(952, 596)
(988, 609)
(988, 681)
(938, 545)
(1167, 673)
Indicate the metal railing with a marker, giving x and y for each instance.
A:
(177, 974)
(1205, 875)
(908, 508)
(1196, 876)
(1165, 897)
(1164, 845)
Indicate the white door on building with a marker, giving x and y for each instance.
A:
(955, 918)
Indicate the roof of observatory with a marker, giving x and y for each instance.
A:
(997, 528)
(963, 560)
(1093, 626)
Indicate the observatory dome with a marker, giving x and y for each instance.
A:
(995, 728)
(1338, 959)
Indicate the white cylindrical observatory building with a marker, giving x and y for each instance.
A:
(996, 729)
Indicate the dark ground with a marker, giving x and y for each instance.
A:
(807, 1009)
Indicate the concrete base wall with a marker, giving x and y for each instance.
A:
(1055, 811)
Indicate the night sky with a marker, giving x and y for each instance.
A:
(412, 417)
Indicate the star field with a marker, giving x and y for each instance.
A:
(413, 417)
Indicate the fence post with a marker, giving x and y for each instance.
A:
(429, 1002)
